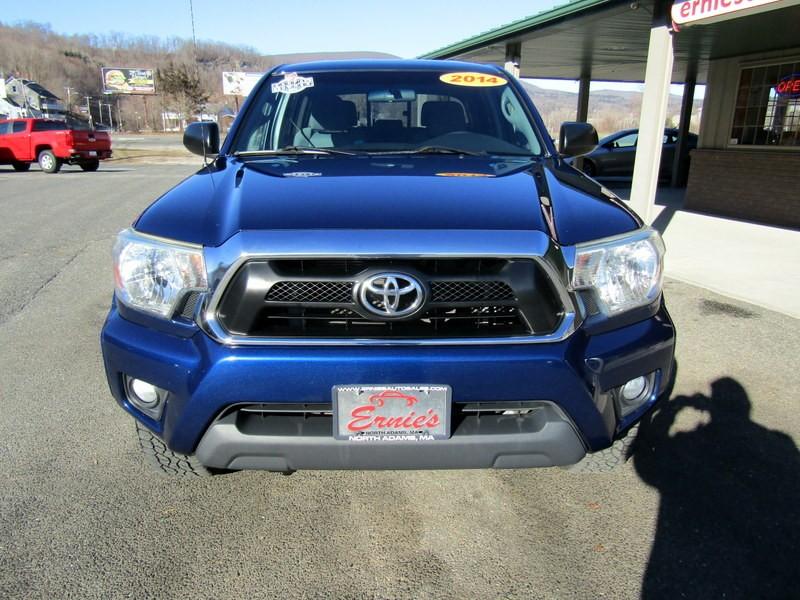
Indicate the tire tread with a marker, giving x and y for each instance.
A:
(165, 460)
(610, 459)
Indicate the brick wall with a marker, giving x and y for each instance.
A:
(761, 186)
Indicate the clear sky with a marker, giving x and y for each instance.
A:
(406, 28)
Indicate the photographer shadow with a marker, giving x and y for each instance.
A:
(728, 522)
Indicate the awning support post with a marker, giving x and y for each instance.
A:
(658, 75)
(583, 97)
(681, 162)
(582, 114)
(513, 58)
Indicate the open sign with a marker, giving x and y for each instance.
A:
(789, 86)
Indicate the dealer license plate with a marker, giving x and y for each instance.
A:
(391, 413)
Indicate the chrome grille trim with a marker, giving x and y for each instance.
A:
(223, 262)
(301, 304)
(570, 320)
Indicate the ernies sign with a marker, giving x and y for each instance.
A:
(690, 12)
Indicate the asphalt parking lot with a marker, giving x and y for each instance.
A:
(709, 508)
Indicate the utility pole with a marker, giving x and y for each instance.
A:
(119, 115)
(146, 124)
(69, 96)
(89, 112)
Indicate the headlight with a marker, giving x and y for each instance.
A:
(624, 272)
(152, 274)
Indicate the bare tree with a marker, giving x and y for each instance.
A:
(182, 84)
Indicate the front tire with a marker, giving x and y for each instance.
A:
(164, 460)
(90, 166)
(21, 166)
(48, 162)
(610, 459)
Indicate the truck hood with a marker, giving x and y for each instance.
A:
(369, 192)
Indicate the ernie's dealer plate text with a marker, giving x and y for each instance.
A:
(391, 413)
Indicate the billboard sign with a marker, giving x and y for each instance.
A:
(239, 83)
(118, 80)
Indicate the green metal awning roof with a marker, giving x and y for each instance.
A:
(609, 39)
(520, 26)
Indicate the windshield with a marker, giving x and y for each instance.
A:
(387, 111)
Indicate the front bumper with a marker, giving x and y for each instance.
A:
(543, 437)
(204, 379)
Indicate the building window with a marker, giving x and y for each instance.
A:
(768, 106)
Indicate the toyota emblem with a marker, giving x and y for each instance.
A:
(391, 295)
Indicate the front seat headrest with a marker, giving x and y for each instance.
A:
(333, 113)
(443, 116)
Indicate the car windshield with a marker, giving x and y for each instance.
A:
(387, 111)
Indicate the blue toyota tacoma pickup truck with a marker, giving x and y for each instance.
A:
(387, 265)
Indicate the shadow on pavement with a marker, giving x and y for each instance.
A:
(728, 522)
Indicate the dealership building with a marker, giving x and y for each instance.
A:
(746, 53)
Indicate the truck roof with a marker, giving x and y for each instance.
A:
(30, 119)
(382, 64)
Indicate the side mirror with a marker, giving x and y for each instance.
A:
(202, 138)
(576, 139)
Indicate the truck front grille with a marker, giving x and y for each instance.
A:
(470, 291)
(341, 292)
(472, 321)
(311, 292)
(466, 298)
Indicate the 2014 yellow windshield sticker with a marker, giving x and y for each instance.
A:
(473, 79)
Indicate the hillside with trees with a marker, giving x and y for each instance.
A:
(609, 110)
(187, 77)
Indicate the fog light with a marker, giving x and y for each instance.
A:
(634, 393)
(633, 389)
(145, 392)
(145, 396)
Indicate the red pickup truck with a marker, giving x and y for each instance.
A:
(51, 144)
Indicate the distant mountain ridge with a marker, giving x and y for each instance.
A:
(609, 110)
(313, 56)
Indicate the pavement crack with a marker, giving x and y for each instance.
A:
(47, 282)
(49, 249)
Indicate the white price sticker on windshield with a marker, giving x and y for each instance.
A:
(292, 83)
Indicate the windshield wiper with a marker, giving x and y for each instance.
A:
(517, 154)
(293, 150)
(441, 150)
